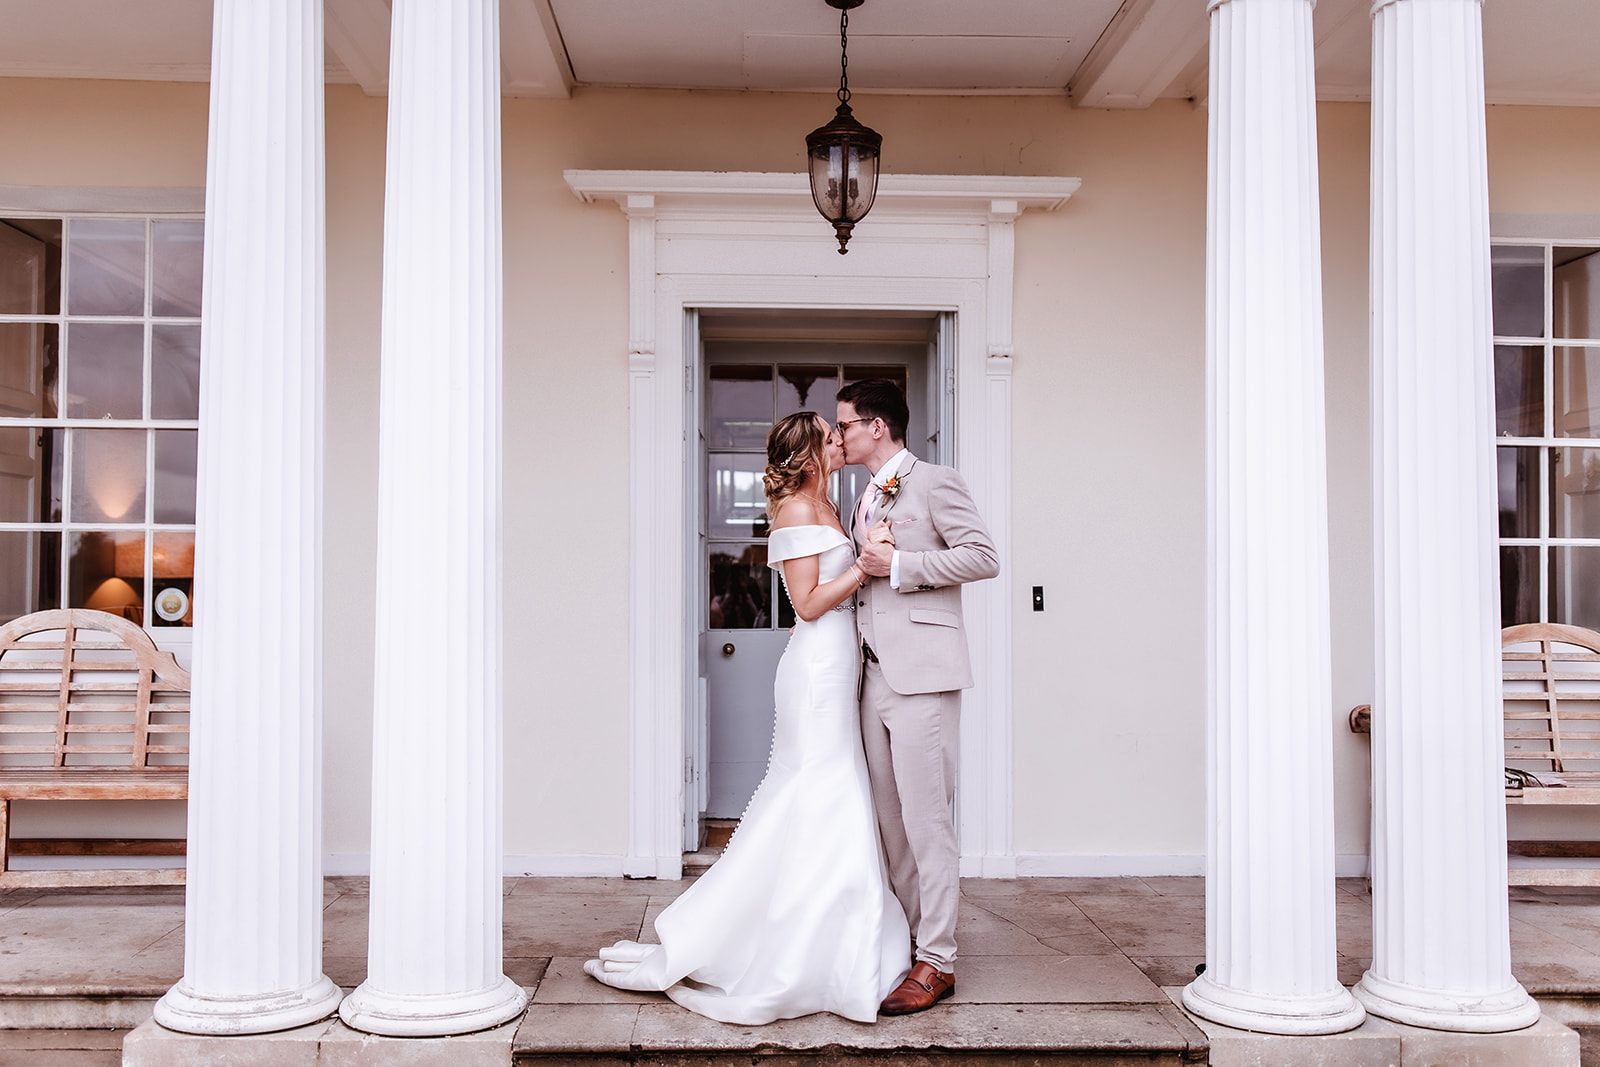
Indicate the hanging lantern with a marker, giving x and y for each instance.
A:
(843, 154)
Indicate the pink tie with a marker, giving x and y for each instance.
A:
(869, 500)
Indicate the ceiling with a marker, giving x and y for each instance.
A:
(1105, 53)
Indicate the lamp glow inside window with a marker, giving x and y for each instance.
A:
(99, 410)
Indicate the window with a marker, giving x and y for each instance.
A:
(1547, 426)
(99, 410)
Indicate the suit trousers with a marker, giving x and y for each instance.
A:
(911, 744)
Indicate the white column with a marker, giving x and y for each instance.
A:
(1441, 932)
(253, 911)
(1270, 954)
(434, 943)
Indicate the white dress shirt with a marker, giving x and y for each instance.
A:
(885, 472)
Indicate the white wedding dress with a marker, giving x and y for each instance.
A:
(797, 915)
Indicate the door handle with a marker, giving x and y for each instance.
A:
(727, 649)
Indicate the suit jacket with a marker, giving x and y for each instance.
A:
(917, 631)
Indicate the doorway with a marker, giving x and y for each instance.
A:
(755, 368)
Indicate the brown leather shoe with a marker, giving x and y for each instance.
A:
(924, 987)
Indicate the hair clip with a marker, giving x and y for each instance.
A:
(785, 464)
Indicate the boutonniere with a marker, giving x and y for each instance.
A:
(891, 488)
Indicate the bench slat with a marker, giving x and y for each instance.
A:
(56, 879)
(90, 783)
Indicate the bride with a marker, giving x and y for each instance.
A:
(797, 915)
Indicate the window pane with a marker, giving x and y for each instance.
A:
(1519, 585)
(807, 388)
(107, 476)
(1575, 586)
(1519, 390)
(172, 567)
(174, 371)
(736, 501)
(175, 247)
(105, 370)
(741, 588)
(105, 572)
(1519, 491)
(176, 456)
(28, 353)
(105, 269)
(895, 372)
(1577, 374)
(30, 267)
(740, 406)
(1576, 299)
(30, 573)
(54, 459)
(1518, 273)
(1575, 492)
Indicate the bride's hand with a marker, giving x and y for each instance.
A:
(881, 532)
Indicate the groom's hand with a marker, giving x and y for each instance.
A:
(876, 557)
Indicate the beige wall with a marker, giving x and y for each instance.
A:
(1108, 443)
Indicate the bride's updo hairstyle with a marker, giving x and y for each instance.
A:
(794, 441)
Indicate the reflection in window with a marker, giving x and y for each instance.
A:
(1519, 585)
(1518, 272)
(740, 406)
(1519, 390)
(105, 267)
(1575, 585)
(99, 400)
(1575, 277)
(1575, 496)
(741, 589)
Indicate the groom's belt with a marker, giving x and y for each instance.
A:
(866, 650)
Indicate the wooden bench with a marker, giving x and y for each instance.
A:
(1552, 731)
(90, 709)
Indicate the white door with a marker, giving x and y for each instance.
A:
(744, 614)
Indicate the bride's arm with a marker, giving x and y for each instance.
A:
(810, 598)
(811, 601)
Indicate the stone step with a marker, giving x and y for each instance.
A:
(664, 1035)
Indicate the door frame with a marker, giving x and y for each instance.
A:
(753, 240)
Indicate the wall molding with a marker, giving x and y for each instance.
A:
(744, 239)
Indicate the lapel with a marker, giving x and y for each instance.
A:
(889, 502)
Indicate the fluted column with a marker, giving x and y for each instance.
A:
(253, 911)
(434, 949)
(1441, 932)
(1270, 953)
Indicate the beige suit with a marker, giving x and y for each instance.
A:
(911, 695)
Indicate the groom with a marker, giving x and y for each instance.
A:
(920, 537)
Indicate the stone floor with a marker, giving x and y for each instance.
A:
(1046, 964)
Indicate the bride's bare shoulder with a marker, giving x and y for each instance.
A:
(797, 511)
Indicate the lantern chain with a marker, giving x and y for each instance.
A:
(844, 56)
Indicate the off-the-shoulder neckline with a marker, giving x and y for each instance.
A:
(808, 526)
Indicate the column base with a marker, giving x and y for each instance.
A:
(189, 1012)
(1332, 1012)
(431, 1014)
(1438, 1009)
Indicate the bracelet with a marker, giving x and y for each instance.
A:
(861, 575)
